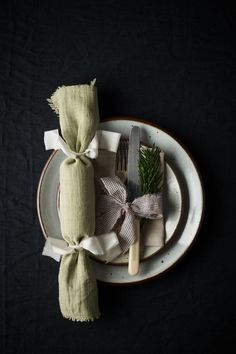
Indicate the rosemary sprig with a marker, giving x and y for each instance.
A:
(150, 170)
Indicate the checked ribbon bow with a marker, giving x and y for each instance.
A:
(113, 207)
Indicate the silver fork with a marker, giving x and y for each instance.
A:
(122, 159)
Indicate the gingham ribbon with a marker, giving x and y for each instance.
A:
(113, 207)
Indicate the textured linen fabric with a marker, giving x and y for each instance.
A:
(77, 108)
(171, 63)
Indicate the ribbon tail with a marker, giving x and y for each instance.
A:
(115, 188)
(52, 140)
(106, 245)
(148, 206)
(55, 248)
(110, 246)
(127, 233)
(106, 221)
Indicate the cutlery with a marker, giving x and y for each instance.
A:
(122, 160)
(132, 193)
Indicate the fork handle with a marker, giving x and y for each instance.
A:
(134, 252)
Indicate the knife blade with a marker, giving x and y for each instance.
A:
(132, 168)
(132, 193)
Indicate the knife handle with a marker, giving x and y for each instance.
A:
(134, 252)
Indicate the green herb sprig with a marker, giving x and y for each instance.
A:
(150, 170)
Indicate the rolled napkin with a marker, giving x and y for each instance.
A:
(77, 108)
(103, 146)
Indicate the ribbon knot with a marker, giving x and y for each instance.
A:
(126, 206)
(75, 247)
(115, 212)
(52, 140)
(102, 139)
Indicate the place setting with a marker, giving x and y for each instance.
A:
(119, 200)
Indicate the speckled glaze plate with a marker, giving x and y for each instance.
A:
(184, 207)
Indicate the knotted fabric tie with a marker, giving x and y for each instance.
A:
(52, 140)
(106, 245)
(114, 206)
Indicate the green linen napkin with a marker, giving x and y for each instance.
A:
(77, 108)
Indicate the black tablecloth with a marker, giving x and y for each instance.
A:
(171, 63)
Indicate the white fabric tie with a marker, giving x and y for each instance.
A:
(106, 245)
(52, 140)
(103, 139)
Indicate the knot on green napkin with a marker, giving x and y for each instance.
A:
(77, 108)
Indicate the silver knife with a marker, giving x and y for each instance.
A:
(132, 193)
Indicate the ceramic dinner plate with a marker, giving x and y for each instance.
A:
(183, 210)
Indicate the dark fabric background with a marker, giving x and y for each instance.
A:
(169, 62)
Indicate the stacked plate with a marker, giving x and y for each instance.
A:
(184, 204)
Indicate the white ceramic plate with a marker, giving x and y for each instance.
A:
(183, 218)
